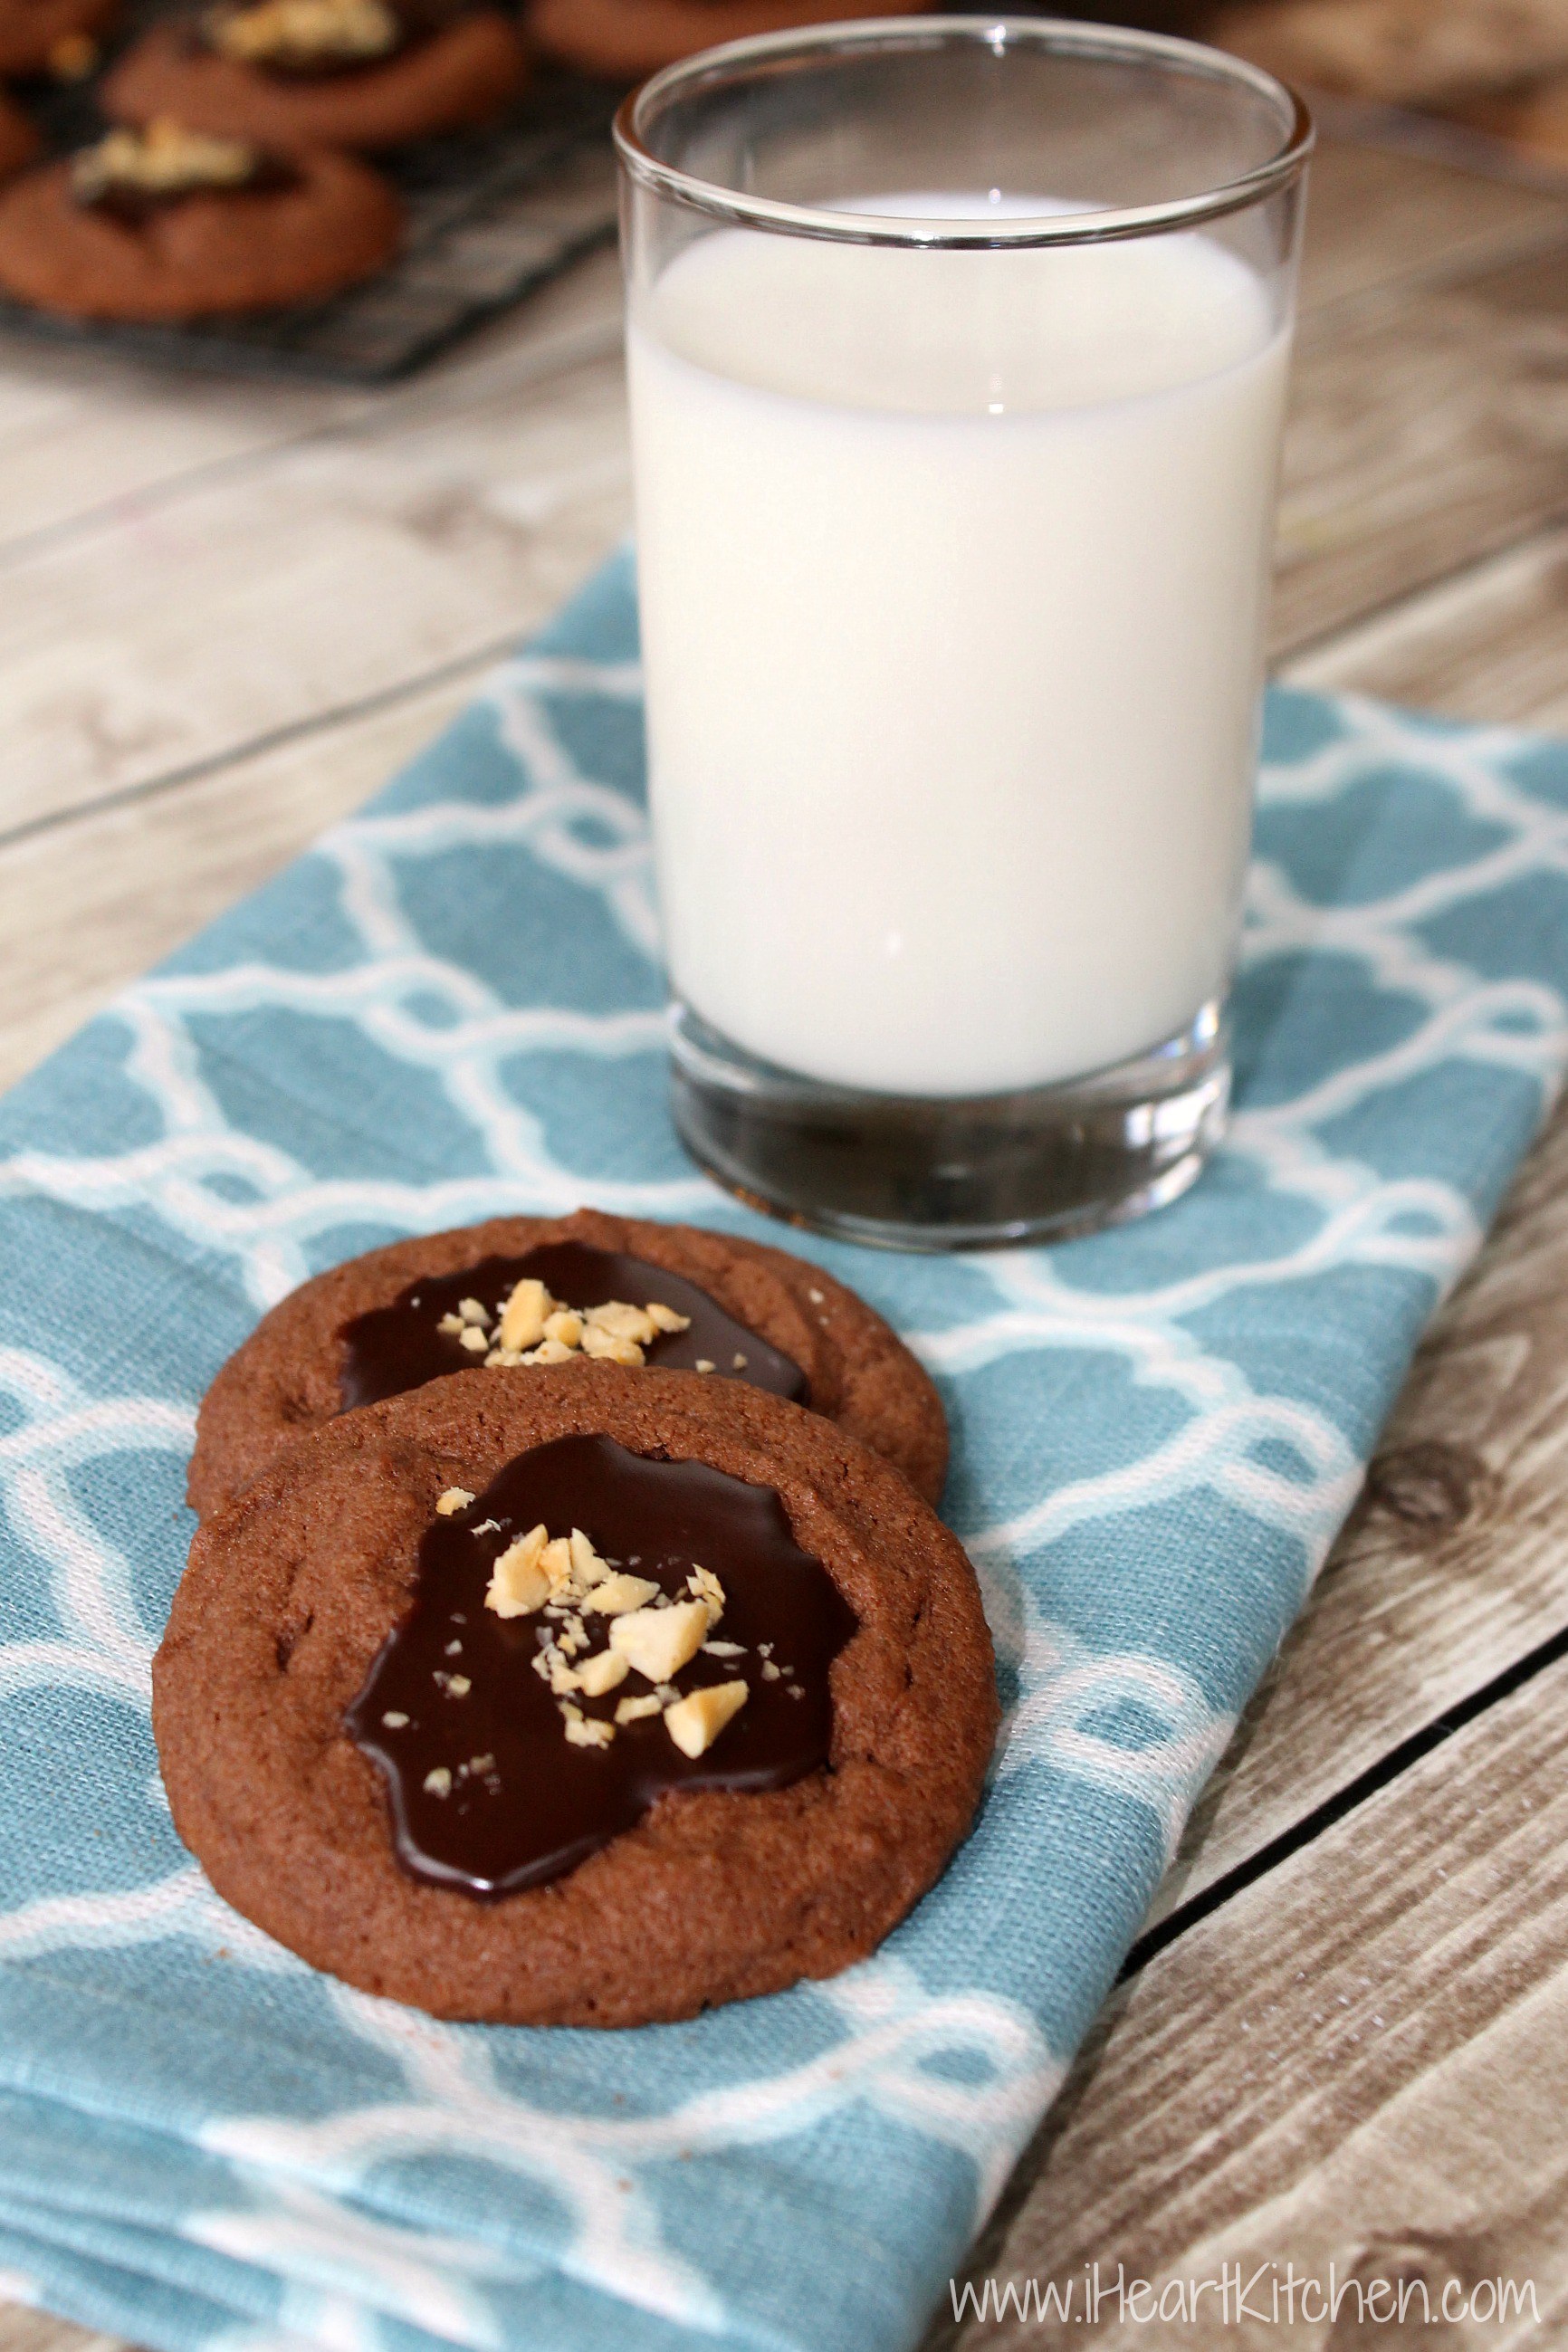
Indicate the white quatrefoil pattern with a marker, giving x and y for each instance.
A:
(452, 1007)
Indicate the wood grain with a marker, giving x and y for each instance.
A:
(359, 561)
(78, 439)
(139, 878)
(1491, 643)
(1429, 427)
(1363, 2059)
(1453, 1566)
(1377, 220)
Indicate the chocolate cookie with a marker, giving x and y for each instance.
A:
(19, 140)
(130, 250)
(468, 72)
(624, 39)
(584, 1697)
(374, 1326)
(34, 33)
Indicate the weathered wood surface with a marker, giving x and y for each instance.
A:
(78, 436)
(1430, 429)
(1487, 643)
(402, 542)
(1361, 2059)
(226, 613)
(1454, 1565)
(85, 905)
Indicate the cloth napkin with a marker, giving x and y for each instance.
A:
(451, 1007)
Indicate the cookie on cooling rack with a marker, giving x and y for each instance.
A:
(170, 225)
(322, 73)
(19, 140)
(538, 1289)
(624, 39)
(51, 36)
(582, 1695)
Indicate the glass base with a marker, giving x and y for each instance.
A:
(976, 1171)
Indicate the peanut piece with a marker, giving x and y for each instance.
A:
(609, 1346)
(634, 1710)
(707, 1588)
(622, 1321)
(598, 1675)
(659, 1641)
(695, 1721)
(617, 1594)
(523, 1315)
(519, 1584)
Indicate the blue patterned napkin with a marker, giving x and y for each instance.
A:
(451, 1008)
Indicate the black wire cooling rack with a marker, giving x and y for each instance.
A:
(491, 215)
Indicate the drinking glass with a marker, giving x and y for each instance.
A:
(957, 351)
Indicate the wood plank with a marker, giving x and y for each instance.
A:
(139, 879)
(355, 564)
(1452, 1568)
(81, 435)
(1428, 428)
(1364, 2059)
(1490, 644)
(1380, 220)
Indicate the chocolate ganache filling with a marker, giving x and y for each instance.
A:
(504, 1766)
(396, 1348)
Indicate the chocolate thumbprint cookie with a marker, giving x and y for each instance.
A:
(54, 37)
(170, 223)
(529, 1292)
(579, 1696)
(323, 73)
(19, 140)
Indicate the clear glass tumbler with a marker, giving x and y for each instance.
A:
(957, 351)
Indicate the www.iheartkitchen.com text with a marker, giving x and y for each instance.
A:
(1275, 2295)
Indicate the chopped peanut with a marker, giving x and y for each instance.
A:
(609, 1346)
(518, 1582)
(695, 1721)
(587, 1567)
(523, 1318)
(659, 1641)
(622, 1321)
(585, 1730)
(707, 1588)
(619, 1593)
(598, 1675)
(634, 1710)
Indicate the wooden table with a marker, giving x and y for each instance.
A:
(227, 611)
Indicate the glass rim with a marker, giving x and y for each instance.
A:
(735, 61)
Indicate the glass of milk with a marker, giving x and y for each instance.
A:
(958, 352)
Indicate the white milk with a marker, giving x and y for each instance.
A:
(953, 571)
